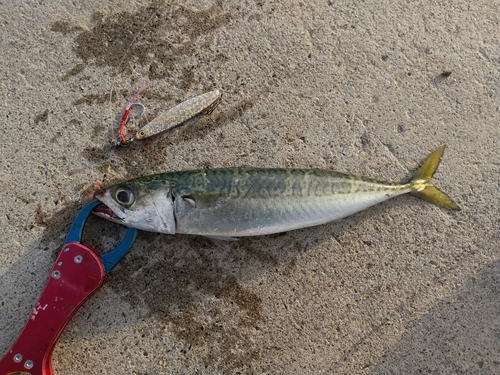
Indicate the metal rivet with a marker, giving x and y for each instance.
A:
(66, 249)
(28, 364)
(59, 263)
(18, 357)
(78, 259)
(56, 274)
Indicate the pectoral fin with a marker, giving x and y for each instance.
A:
(222, 242)
(200, 200)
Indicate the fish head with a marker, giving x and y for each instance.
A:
(140, 204)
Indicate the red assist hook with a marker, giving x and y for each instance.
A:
(126, 113)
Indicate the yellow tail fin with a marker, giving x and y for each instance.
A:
(424, 189)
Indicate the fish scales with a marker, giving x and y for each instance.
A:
(245, 202)
(250, 182)
(235, 202)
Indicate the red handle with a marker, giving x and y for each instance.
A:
(76, 275)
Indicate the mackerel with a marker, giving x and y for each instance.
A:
(237, 202)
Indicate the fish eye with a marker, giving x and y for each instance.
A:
(124, 196)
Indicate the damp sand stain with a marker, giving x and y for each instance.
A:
(64, 28)
(175, 287)
(102, 98)
(156, 36)
(191, 288)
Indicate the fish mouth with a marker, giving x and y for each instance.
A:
(108, 209)
(106, 213)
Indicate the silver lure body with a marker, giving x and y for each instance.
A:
(180, 113)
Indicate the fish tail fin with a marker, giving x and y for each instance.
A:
(424, 189)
